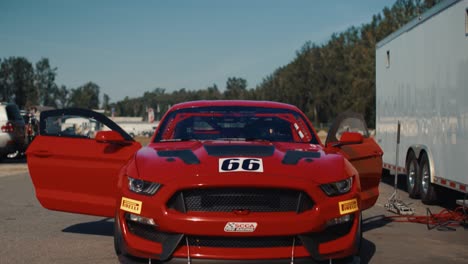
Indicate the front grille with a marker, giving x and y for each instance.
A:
(150, 233)
(147, 232)
(231, 199)
(243, 242)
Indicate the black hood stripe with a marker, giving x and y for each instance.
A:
(292, 157)
(185, 155)
(247, 151)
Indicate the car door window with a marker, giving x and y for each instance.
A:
(73, 126)
(77, 123)
(347, 122)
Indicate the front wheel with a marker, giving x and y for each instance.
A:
(355, 259)
(428, 190)
(120, 247)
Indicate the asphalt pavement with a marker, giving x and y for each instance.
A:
(31, 234)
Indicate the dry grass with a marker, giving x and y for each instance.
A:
(322, 135)
(143, 140)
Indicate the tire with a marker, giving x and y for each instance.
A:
(120, 247)
(118, 239)
(359, 237)
(428, 190)
(355, 259)
(413, 181)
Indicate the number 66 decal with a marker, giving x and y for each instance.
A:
(240, 164)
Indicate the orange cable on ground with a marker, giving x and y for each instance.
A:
(445, 218)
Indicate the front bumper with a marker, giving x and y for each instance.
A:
(278, 236)
(354, 260)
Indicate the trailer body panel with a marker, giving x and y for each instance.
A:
(422, 82)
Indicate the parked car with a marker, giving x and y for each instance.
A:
(12, 130)
(220, 182)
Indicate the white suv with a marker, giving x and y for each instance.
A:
(12, 130)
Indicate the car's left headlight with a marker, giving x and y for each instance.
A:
(142, 187)
(337, 188)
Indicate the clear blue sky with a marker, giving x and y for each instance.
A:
(129, 47)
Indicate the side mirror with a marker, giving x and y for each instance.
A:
(108, 137)
(348, 138)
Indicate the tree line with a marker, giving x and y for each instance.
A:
(322, 80)
(28, 86)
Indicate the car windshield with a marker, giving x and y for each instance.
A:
(235, 124)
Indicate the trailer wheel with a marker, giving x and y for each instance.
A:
(428, 190)
(413, 178)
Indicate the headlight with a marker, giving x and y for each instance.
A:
(142, 187)
(337, 188)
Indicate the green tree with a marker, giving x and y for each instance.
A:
(211, 93)
(62, 97)
(235, 88)
(85, 96)
(17, 82)
(44, 82)
(105, 102)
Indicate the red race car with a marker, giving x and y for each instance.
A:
(220, 182)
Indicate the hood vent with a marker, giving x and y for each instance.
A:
(292, 157)
(185, 155)
(236, 150)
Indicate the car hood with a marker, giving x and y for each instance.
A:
(163, 161)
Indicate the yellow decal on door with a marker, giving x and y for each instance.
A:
(130, 205)
(348, 206)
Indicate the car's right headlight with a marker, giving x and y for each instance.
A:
(142, 187)
(337, 188)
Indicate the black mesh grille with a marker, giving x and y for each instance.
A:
(339, 230)
(243, 242)
(230, 199)
(147, 232)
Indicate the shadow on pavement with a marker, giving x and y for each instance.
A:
(367, 251)
(368, 247)
(16, 160)
(104, 227)
(375, 222)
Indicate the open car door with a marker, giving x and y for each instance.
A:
(75, 160)
(364, 153)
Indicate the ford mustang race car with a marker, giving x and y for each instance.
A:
(220, 182)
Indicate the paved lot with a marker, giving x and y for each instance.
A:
(10, 167)
(31, 234)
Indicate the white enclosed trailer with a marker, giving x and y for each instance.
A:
(422, 82)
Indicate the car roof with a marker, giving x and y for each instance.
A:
(251, 103)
